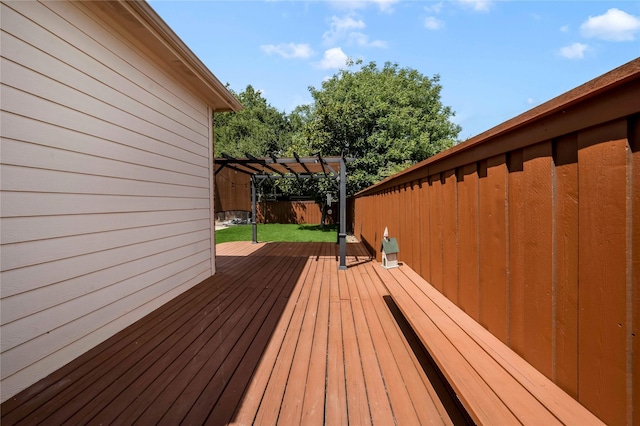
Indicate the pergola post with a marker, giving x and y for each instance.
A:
(342, 232)
(254, 223)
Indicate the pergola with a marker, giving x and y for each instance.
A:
(300, 168)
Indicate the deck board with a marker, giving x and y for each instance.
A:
(314, 396)
(379, 405)
(277, 335)
(419, 389)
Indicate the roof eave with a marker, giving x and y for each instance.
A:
(174, 43)
(166, 44)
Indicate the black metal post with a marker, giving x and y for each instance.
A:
(254, 224)
(342, 233)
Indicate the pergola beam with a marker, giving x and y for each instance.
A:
(322, 164)
(296, 176)
(286, 166)
(251, 157)
(304, 166)
(244, 162)
(237, 169)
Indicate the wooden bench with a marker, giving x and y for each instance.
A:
(494, 384)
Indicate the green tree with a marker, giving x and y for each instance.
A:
(259, 129)
(388, 119)
(298, 142)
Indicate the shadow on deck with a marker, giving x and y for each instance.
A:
(278, 334)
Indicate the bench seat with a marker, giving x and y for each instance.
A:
(494, 384)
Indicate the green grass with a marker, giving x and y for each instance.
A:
(279, 232)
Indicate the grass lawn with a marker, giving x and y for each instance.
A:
(279, 232)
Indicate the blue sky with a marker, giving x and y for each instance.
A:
(496, 59)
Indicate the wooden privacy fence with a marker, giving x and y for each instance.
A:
(233, 195)
(232, 191)
(533, 229)
(295, 212)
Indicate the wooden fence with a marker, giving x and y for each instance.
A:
(232, 191)
(533, 229)
(233, 199)
(296, 212)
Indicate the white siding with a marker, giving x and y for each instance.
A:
(105, 178)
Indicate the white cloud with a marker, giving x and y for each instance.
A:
(477, 5)
(432, 23)
(436, 8)
(333, 58)
(288, 50)
(531, 101)
(574, 51)
(383, 5)
(386, 5)
(614, 25)
(345, 29)
(564, 28)
(339, 28)
(346, 23)
(361, 39)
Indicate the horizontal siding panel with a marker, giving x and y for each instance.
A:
(19, 255)
(49, 33)
(27, 179)
(106, 184)
(24, 304)
(14, 383)
(26, 204)
(23, 229)
(26, 329)
(22, 53)
(20, 357)
(42, 86)
(24, 104)
(29, 154)
(74, 112)
(133, 57)
(33, 277)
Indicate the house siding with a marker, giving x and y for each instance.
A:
(105, 172)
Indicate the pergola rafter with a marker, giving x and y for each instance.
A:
(300, 168)
(301, 162)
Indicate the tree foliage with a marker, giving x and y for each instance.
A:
(258, 129)
(387, 118)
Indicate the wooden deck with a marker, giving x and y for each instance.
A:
(278, 335)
